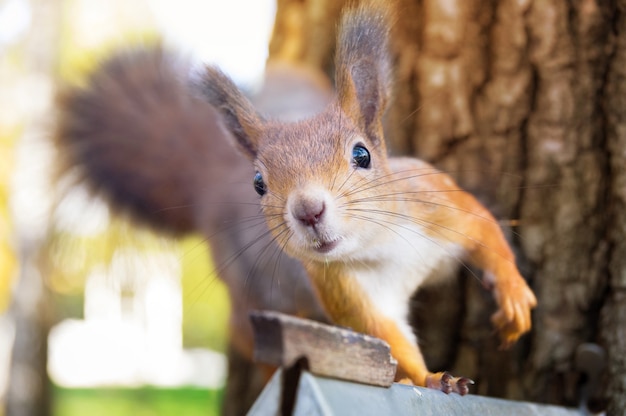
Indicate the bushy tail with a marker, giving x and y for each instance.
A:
(137, 135)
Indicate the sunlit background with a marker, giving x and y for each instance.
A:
(125, 308)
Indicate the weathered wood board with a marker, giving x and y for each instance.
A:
(330, 351)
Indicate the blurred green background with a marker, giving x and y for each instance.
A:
(146, 401)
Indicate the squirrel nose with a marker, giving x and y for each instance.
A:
(309, 211)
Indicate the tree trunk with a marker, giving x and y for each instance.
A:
(523, 103)
(28, 392)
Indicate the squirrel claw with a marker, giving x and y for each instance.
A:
(447, 383)
(462, 384)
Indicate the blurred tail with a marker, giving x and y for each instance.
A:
(137, 135)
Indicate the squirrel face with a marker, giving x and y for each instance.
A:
(332, 199)
(314, 178)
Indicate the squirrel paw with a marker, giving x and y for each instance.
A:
(447, 383)
(513, 317)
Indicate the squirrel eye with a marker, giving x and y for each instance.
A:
(259, 185)
(361, 156)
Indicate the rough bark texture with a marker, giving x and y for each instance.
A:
(523, 101)
(613, 323)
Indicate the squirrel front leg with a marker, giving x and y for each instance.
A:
(490, 252)
(411, 362)
(515, 299)
(348, 305)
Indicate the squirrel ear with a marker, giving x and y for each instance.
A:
(363, 66)
(240, 117)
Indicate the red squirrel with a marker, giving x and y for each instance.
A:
(368, 228)
(135, 134)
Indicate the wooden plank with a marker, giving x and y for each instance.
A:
(330, 351)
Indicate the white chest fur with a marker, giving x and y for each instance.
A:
(412, 258)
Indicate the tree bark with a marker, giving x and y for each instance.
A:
(613, 323)
(523, 103)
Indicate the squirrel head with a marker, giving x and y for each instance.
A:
(306, 171)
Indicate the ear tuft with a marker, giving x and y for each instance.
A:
(239, 115)
(363, 65)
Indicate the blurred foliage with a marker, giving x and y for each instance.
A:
(12, 125)
(147, 401)
(76, 64)
(8, 260)
(205, 299)
(92, 29)
(86, 41)
(73, 256)
(89, 31)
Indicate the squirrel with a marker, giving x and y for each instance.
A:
(135, 134)
(369, 229)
